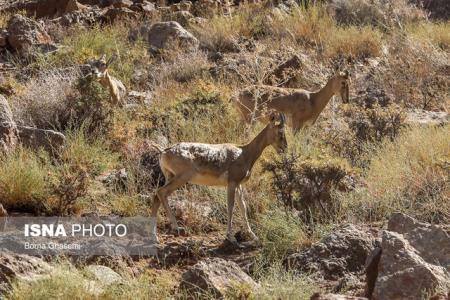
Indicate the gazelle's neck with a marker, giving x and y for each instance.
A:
(106, 81)
(323, 96)
(253, 150)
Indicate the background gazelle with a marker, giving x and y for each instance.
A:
(300, 105)
(215, 165)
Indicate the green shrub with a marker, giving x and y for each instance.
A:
(308, 182)
(23, 182)
(281, 234)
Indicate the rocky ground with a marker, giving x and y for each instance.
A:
(358, 207)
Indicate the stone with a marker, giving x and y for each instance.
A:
(287, 73)
(423, 117)
(25, 33)
(34, 138)
(104, 274)
(403, 274)
(160, 34)
(183, 17)
(215, 276)
(112, 15)
(122, 3)
(8, 128)
(411, 252)
(343, 252)
(318, 296)
(3, 37)
(20, 266)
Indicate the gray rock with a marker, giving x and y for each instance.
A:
(341, 253)
(25, 33)
(412, 252)
(318, 296)
(8, 128)
(34, 138)
(160, 34)
(104, 274)
(215, 276)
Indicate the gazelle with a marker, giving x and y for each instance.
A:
(215, 165)
(99, 69)
(300, 105)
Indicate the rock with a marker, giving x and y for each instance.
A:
(46, 8)
(114, 14)
(25, 33)
(318, 296)
(34, 138)
(216, 276)
(403, 274)
(147, 8)
(424, 117)
(86, 17)
(160, 34)
(20, 266)
(3, 37)
(104, 274)
(116, 179)
(183, 17)
(8, 128)
(341, 253)
(121, 3)
(287, 73)
(411, 251)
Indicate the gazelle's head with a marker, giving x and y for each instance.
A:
(276, 132)
(99, 67)
(341, 83)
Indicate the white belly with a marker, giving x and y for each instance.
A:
(208, 179)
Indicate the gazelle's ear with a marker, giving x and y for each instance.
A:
(345, 74)
(111, 60)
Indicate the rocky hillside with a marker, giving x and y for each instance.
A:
(356, 207)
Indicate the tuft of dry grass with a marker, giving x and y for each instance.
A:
(357, 42)
(409, 175)
(436, 33)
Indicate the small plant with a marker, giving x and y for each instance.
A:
(307, 184)
(23, 181)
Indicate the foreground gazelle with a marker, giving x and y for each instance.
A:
(215, 165)
(301, 106)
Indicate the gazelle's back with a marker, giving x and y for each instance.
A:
(209, 162)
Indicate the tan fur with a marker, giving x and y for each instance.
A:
(117, 91)
(300, 105)
(215, 165)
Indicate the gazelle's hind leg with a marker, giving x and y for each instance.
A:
(155, 207)
(163, 193)
(243, 208)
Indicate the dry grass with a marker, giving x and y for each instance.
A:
(436, 33)
(356, 42)
(409, 175)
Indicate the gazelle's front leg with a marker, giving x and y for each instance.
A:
(231, 191)
(243, 207)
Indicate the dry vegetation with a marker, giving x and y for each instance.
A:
(359, 163)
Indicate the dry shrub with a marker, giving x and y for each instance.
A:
(380, 13)
(415, 73)
(364, 129)
(410, 175)
(221, 33)
(308, 183)
(356, 42)
(180, 66)
(42, 102)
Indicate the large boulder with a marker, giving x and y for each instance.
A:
(45, 8)
(215, 276)
(34, 138)
(342, 253)
(104, 274)
(8, 128)
(25, 34)
(20, 266)
(414, 259)
(160, 34)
